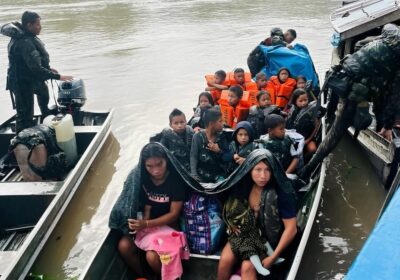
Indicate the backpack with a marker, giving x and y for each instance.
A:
(204, 226)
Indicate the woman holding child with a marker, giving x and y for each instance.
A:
(267, 191)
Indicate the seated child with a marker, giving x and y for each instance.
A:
(232, 112)
(302, 117)
(216, 87)
(205, 102)
(240, 80)
(302, 83)
(242, 144)
(177, 138)
(279, 144)
(280, 87)
(261, 81)
(258, 112)
(209, 154)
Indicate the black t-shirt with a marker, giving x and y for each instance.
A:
(160, 197)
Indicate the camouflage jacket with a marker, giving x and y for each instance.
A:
(237, 214)
(302, 120)
(207, 165)
(177, 145)
(56, 164)
(280, 148)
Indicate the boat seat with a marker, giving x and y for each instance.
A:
(6, 258)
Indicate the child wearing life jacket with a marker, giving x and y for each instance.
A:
(218, 85)
(209, 154)
(239, 78)
(177, 138)
(302, 117)
(231, 109)
(280, 144)
(261, 81)
(258, 112)
(281, 87)
(242, 144)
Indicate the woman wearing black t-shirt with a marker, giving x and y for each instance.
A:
(279, 230)
(163, 198)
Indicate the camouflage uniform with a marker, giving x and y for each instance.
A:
(302, 120)
(28, 70)
(178, 145)
(280, 148)
(56, 163)
(257, 116)
(237, 214)
(206, 165)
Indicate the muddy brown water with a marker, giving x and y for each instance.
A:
(144, 58)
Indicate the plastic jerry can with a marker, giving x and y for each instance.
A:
(65, 135)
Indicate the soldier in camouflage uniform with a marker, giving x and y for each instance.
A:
(29, 68)
(370, 74)
(56, 162)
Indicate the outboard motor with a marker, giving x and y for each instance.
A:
(71, 98)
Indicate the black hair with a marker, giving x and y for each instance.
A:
(238, 70)
(273, 120)
(295, 95)
(175, 113)
(282, 69)
(152, 150)
(29, 17)
(209, 97)
(221, 74)
(301, 77)
(237, 90)
(276, 31)
(293, 33)
(261, 93)
(211, 115)
(260, 75)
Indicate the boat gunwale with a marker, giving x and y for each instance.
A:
(303, 241)
(32, 246)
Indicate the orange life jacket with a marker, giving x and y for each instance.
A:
(280, 93)
(215, 93)
(231, 116)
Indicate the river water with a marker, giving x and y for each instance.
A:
(143, 58)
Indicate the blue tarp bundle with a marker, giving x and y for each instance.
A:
(297, 60)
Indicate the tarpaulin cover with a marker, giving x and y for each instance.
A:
(297, 60)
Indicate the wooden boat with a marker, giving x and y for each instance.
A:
(107, 264)
(29, 211)
(352, 23)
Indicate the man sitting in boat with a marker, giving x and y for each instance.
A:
(177, 138)
(267, 192)
(209, 155)
(163, 193)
